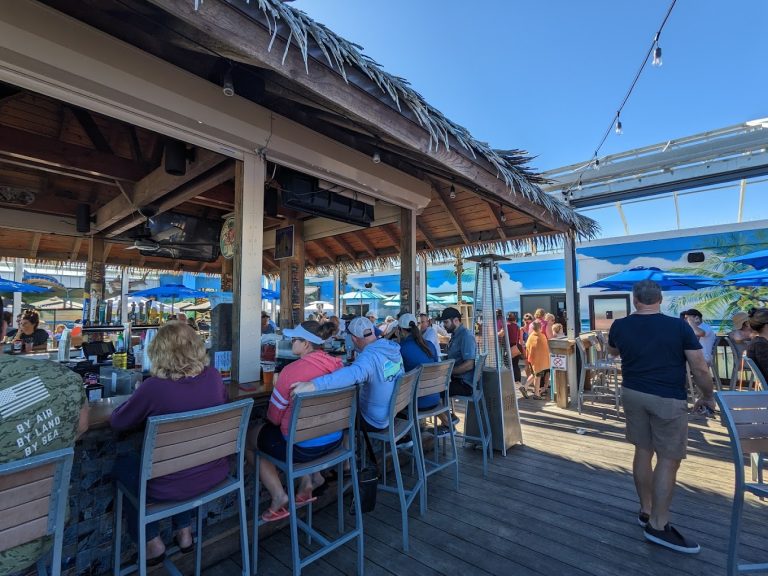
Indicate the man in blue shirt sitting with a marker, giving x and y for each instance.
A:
(463, 349)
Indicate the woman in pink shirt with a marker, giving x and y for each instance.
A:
(307, 341)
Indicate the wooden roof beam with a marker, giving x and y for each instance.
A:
(35, 245)
(497, 220)
(320, 246)
(22, 145)
(394, 238)
(107, 249)
(445, 201)
(428, 240)
(156, 186)
(369, 247)
(76, 249)
(346, 246)
(91, 129)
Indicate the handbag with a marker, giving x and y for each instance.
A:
(368, 479)
(515, 350)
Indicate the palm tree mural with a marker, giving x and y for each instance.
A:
(723, 301)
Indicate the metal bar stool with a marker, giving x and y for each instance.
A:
(175, 442)
(477, 399)
(316, 414)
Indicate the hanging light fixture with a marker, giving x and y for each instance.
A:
(502, 216)
(618, 124)
(452, 194)
(657, 53)
(228, 86)
(376, 157)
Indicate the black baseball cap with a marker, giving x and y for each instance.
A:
(693, 312)
(449, 314)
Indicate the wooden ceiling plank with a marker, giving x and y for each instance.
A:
(91, 129)
(35, 245)
(394, 238)
(153, 187)
(76, 249)
(442, 198)
(202, 266)
(133, 141)
(324, 250)
(19, 144)
(107, 249)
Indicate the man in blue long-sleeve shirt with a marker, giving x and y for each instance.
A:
(377, 368)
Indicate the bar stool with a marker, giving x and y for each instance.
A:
(403, 398)
(477, 399)
(317, 414)
(435, 379)
(604, 377)
(176, 442)
(33, 499)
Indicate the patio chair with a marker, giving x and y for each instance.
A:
(394, 439)
(176, 442)
(604, 377)
(746, 417)
(435, 379)
(33, 499)
(317, 414)
(482, 418)
(738, 366)
(758, 380)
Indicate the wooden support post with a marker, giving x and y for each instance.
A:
(249, 244)
(93, 293)
(18, 276)
(125, 287)
(407, 260)
(292, 280)
(573, 318)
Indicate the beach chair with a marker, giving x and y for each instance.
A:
(482, 418)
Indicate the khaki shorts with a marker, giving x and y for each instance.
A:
(656, 423)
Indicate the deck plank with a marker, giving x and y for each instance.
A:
(564, 503)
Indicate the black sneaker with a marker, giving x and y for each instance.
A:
(454, 419)
(672, 539)
(643, 518)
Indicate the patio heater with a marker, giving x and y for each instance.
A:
(498, 381)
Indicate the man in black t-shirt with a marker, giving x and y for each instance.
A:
(654, 349)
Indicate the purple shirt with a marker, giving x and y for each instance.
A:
(157, 396)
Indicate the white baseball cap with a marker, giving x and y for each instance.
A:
(405, 321)
(301, 332)
(360, 327)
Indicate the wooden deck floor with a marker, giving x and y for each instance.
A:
(564, 503)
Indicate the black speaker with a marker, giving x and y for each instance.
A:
(175, 157)
(83, 216)
(694, 257)
(271, 200)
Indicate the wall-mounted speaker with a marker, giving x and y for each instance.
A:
(83, 218)
(694, 257)
(175, 157)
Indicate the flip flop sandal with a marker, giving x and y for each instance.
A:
(304, 500)
(524, 392)
(275, 515)
(157, 560)
(184, 549)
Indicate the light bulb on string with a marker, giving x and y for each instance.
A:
(502, 216)
(657, 57)
(452, 194)
(618, 125)
(596, 164)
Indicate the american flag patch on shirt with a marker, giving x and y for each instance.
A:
(21, 396)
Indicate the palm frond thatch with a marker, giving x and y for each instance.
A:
(297, 28)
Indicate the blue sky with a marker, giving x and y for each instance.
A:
(548, 75)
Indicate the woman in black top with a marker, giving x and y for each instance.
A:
(29, 333)
(758, 347)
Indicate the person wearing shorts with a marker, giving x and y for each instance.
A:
(654, 350)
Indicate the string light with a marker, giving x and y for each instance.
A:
(452, 194)
(502, 216)
(655, 51)
(228, 86)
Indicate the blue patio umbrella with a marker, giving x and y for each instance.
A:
(362, 295)
(453, 299)
(267, 294)
(753, 278)
(394, 301)
(757, 259)
(170, 292)
(11, 286)
(623, 281)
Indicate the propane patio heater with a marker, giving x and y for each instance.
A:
(498, 381)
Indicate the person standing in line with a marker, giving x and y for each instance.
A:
(757, 349)
(703, 332)
(513, 330)
(654, 350)
(537, 348)
(429, 332)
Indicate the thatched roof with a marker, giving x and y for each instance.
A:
(302, 32)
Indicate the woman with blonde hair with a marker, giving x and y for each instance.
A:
(181, 380)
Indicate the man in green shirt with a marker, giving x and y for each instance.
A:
(42, 409)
